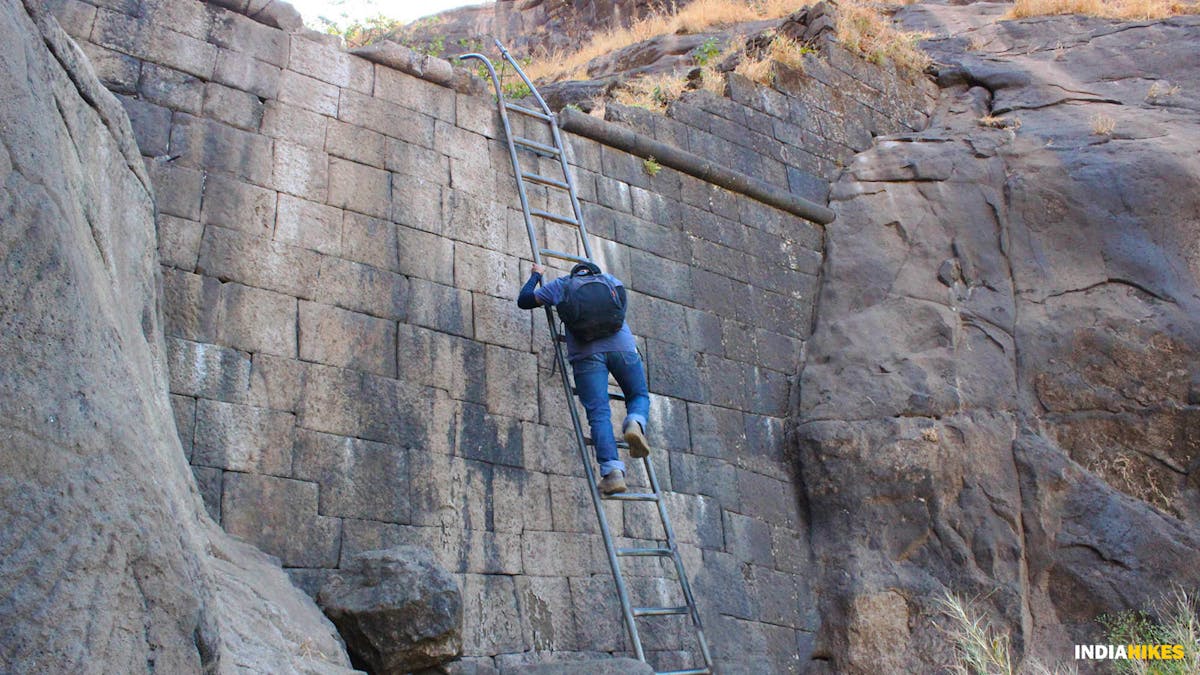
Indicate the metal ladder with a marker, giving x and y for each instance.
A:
(567, 184)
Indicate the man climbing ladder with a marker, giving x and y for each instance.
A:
(599, 342)
(586, 310)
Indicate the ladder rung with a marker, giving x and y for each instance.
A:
(693, 671)
(528, 111)
(542, 148)
(612, 395)
(620, 443)
(544, 180)
(566, 220)
(632, 497)
(659, 611)
(662, 552)
(563, 256)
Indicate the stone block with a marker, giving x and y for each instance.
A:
(118, 72)
(255, 320)
(792, 552)
(307, 224)
(248, 74)
(440, 307)
(190, 304)
(370, 241)
(425, 255)
(520, 500)
(177, 189)
(155, 43)
(214, 146)
(151, 125)
(475, 175)
(277, 383)
(362, 288)
(294, 124)
(417, 203)
(360, 188)
(740, 341)
(673, 371)
(170, 88)
(202, 369)
(489, 437)
(572, 509)
(655, 318)
(330, 64)
(338, 337)
(358, 479)
(704, 332)
(717, 432)
(279, 515)
(418, 161)
(232, 106)
(667, 242)
(184, 412)
(668, 423)
(725, 381)
(361, 405)
(75, 17)
(655, 207)
(660, 277)
(209, 483)
(255, 261)
(308, 93)
(722, 296)
(547, 612)
(444, 361)
(769, 499)
(300, 171)
(551, 449)
(454, 494)
(178, 242)
(415, 93)
(721, 584)
(474, 220)
(476, 114)
(766, 392)
(252, 38)
(511, 383)
(473, 551)
(459, 143)
(562, 554)
(778, 597)
(386, 117)
(238, 205)
(723, 260)
(623, 166)
(355, 144)
(748, 539)
(598, 613)
(492, 622)
(696, 474)
(243, 438)
(499, 321)
(485, 271)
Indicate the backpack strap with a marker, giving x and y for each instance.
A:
(585, 268)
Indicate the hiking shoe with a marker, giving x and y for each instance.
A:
(613, 483)
(638, 447)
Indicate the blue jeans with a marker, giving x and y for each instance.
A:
(591, 381)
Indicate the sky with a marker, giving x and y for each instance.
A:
(357, 10)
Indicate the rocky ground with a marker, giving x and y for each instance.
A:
(1000, 396)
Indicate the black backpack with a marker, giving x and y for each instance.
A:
(592, 307)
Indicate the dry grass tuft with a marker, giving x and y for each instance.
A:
(1109, 9)
(979, 647)
(863, 29)
(782, 50)
(696, 17)
(1103, 125)
(995, 122)
(759, 69)
(1161, 89)
(654, 92)
(712, 80)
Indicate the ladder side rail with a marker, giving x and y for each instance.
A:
(512, 153)
(601, 516)
(679, 571)
(562, 157)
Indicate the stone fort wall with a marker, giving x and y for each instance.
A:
(341, 244)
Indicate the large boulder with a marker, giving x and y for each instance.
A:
(108, 560)
(397, 609)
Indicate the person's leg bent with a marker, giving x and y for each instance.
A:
(591, 381)
(627, 369)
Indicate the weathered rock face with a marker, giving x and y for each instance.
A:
(398, 609)
(999, 393)
(525, 26)
(109, 562)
